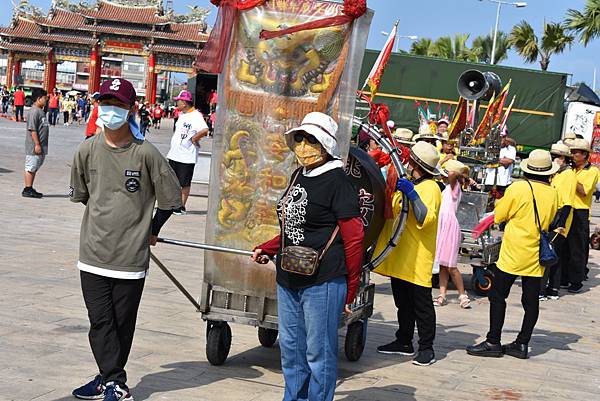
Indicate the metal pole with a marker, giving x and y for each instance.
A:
(206, 247)
(493, 58)
(175, 281)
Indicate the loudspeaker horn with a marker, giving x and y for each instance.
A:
(477, 85)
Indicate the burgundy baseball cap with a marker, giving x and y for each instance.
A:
(118, 88)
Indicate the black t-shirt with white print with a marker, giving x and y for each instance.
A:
(313, 207)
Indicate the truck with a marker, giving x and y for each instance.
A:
(535, 122)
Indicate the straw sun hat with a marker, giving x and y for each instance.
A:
(452, 166)
(426, 156)
(560, 149)
(539, 162)
(580, 144)
(404, 136)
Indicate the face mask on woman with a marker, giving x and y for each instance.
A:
(307, 152)
(112, 117)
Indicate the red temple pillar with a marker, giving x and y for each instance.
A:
(151, 80)
(50, 73)
(10, 63)
(95, 70)
(17, 71)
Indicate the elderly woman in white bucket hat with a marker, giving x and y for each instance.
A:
(519, 253)
(409, 264)
(319, 213)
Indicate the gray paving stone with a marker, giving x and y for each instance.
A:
(44, 351)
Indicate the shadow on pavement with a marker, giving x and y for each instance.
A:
(197, 212)
(544, 341)
(56, 196)
(203, 374)
(394, 392)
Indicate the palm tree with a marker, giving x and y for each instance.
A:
(422, 47)
(554, 41)
(452, 48)
(482, 46)
(587, 23)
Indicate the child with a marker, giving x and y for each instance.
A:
(448, 237)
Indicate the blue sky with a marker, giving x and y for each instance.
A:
(434, 18)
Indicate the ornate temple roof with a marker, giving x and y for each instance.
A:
(84, 23)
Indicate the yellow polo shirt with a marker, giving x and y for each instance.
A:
(588, 177)
(565, 184)
(519, 252)
(443, 155)
(412, 259)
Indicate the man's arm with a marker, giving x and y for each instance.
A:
(36, 141)
(506, 162)
(201, 134)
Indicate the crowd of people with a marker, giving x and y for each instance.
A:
(553, 197)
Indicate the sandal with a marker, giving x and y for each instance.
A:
(440, 300)
(464, 301)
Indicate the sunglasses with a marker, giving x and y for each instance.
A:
(300, 137)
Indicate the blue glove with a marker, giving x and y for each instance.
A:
(407, 188)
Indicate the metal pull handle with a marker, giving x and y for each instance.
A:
(207, 247)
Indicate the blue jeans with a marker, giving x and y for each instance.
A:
(308, 327)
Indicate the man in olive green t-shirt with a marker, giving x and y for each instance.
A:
(118, 176)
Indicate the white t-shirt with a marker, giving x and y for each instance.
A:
(504, 174)
(182, 149)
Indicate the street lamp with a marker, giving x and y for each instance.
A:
(411, 37)
(518, 4)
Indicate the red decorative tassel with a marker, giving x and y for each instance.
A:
(352, 9)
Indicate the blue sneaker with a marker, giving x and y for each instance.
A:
(94, 390)
(117, 392)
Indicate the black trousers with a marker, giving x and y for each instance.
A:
(529, 299)
(552, 275)
(578, 243)
(19, 112)
(414, 304)
(112, 306)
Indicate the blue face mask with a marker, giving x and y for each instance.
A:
(112, 117)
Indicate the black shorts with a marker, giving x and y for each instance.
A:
(184, 172)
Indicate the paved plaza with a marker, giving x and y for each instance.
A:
(44, 351)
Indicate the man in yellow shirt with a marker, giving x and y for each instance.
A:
(519, 253)
(578, 238)
(564, 183)
(410, 263)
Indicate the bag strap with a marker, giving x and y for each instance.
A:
(535, 210)
(333, 235)
(285, 198)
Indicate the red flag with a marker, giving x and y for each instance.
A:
(374, 77)
(459, 119)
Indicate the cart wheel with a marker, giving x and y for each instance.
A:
(355, 341)
(482, 287)
(267, 337)
(218, 343)
(435, 281)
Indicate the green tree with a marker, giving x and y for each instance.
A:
(452, 48)
(422, 47)
(482, 46)
(554, 40)
(585, 23)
